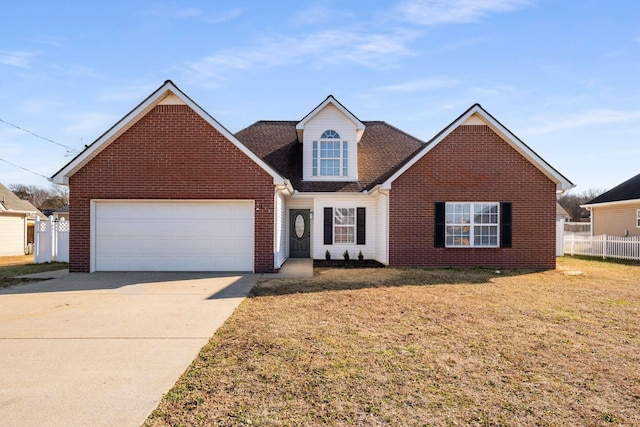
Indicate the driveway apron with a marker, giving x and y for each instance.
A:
(101, 349)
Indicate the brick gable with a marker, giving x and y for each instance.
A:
(171, 153)
(472, 164)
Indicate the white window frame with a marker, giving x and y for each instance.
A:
(457, 220)
(344, 219)
(638, 218)
(330, 136)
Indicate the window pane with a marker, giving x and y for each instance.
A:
(330, 134)
(330, 167)
(345, 216)
(485, 213)
(315, 159)
(458, 236)
(345, 158)
(458, 213)
(485, 235)
(344, 234)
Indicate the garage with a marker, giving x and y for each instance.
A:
(12, 232)
(172, 235)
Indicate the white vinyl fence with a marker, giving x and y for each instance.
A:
(51, 241)
(603, 246)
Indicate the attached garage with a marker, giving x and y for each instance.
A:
(172, 235)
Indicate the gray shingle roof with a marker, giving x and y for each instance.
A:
(11, 202)
(382, 149)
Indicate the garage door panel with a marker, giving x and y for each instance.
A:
(174, 236)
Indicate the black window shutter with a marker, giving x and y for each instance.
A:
(361, 226)
(328, 226)
(505, 224)
(439, 225)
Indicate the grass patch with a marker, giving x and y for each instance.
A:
(8, 273)
(423, 347)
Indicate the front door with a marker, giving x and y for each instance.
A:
(299, 234)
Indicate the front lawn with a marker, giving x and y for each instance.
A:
(8, 272)
(423, 347)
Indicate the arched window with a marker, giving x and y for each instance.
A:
(330, 155)
(330, 134)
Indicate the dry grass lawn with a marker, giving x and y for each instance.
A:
(424, 347)
(9, 269)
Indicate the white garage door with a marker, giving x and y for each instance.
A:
(12, 235)
(173, 236)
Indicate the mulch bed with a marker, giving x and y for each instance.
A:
(341, 263)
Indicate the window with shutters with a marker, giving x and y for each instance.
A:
(344, 223)
(638, 218)
(472, 225)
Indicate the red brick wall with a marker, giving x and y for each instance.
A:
(171, 153)
(472, 164)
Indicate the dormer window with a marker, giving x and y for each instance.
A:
(330, 155)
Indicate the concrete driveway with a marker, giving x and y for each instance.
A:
(102, 348)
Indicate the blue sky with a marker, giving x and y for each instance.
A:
(562, 75)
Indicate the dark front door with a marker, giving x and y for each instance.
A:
(299, 234)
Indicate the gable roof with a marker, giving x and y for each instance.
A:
(625, 192)
(9, 202)
(380, 151)
(330, 100)
(167, 90)
(480, 113)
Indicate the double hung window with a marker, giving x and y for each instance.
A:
(472, 225)
(330, 155)
(344, 223)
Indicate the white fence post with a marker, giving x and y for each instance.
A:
(560, 237)
(604, 246)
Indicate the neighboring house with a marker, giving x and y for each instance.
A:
(617, 212)
(169, 188)
(17, 218)
(62, 213)
(561, 213)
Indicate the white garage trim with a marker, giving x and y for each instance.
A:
(172, 235)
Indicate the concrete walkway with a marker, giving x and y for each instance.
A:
(293, 268)
(101, 349)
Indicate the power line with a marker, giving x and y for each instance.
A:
(68, 148)
(25, 169)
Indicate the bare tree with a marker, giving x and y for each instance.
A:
(571, 202)
(52, 198)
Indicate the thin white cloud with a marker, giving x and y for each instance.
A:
(433, 12)
(314, 14)
(420, 85)
(195, 13)
(88, 125)
(587, 118)
(326, 47)
(224, 16)
(17, 58)
(54, 41)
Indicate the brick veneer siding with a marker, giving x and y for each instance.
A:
(472, 164)
(171, 153)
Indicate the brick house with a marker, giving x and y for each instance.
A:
(169, 188)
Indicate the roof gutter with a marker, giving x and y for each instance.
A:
(606, 204)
